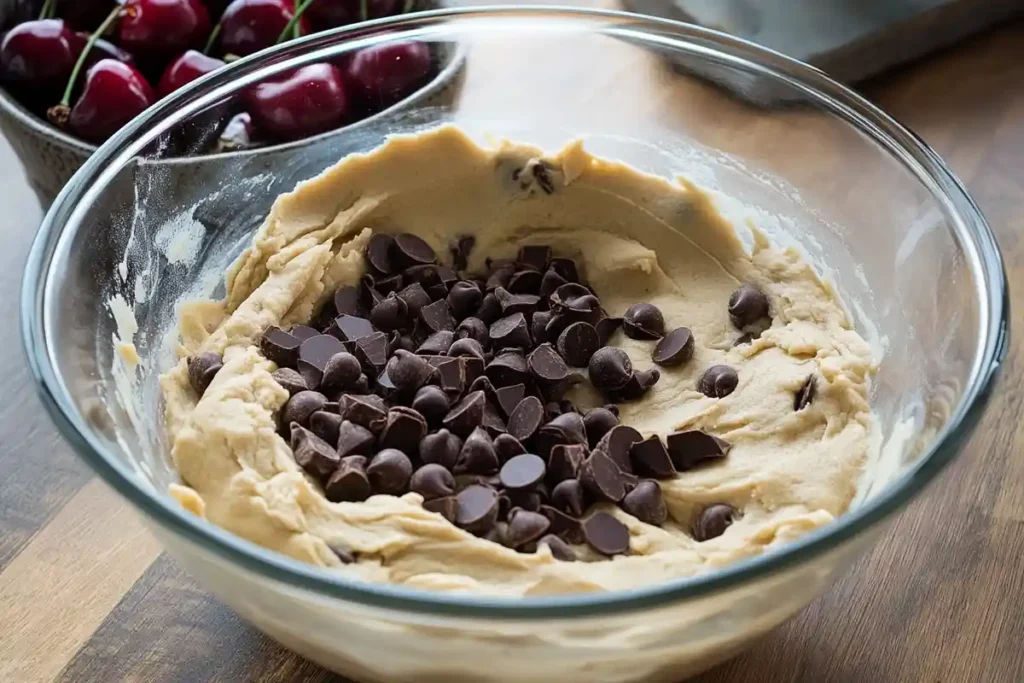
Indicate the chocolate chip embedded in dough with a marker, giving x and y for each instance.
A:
(477, 508)
(378, 253)
(411, 250)
(693, 447)
(806, 393)
(713, 521)
(606, 327)
(643, 321)
(646, 503)
(202, 368)
(389, 472)
(280, 347)
(747, 305)
(718, 381)
(560, 550)
(637, 386)
(349, 483)
(522, 472)
(610, 368)
(605, 534)
(446, 506)
(347, 301)
(460, 249)
(675, 348)
(534, 256)
(441, 448)
(651, 459)
(525, 527)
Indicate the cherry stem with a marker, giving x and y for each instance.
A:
(364, 10)
(290, 27)
(214, 34)
(107, 23)
(47, 9)
(408, 6)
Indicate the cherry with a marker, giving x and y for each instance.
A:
(158, 29)
(84, 15)
(251, 25)
(114, 94)
(383, 74)
(39, 53)
(309, 100)
(325, 14)
(185, 69)
(103, 49)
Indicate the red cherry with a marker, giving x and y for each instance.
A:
(307, 101)
(383, 74)
(157, 29)
(40, 53)
(84, 15)
(185, 69)
(114, 94)
(325, 14)
(103, 49)
(251, 25)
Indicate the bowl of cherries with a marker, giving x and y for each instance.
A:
(73, 72)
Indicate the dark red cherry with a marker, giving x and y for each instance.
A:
(84, 15)
(104, 49)
(39, 53)
(325, 14)
(307, 101)
(383, 74)
(158, 29)
(251, 25)
(185, 69)
(114, 94)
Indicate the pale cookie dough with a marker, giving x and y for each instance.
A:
(638, 238)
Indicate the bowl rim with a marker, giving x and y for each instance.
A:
(970, 228)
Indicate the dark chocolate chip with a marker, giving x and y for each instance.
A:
(436, 317)
(344, 554)
(490, 309)
(507, 447)
(404, 429)
(525, 282)
(598, 422)
(388, 285)
(638, 385)
(372, 352)
(507, 368)
(493, 422)
(354, 439)
(603, 478)
(466, 415)
(303, 332)
(675, 348)
(280, 347)
(290, 380)
(389, 472)
(408, 372)
(526, 418)
(369, 297)
(646, 503)
(464, 299)
(690, 448)
(341, 372)
(432, 403)
(378, 253)
(509, 397)
(475, 329)
(499, 277)
(466, 347)
(325, 424)
(448, 276)
(747, 305)
(510, 331)
(718, 381)
(516, 303)
(552, 409)
(560, 550)
(477, 508)
(415, 298)
(565, 462)
(549, 282)
(366, 411)
(610, 368)
(346, 302)
(534, 256)
(349, 483)
(452, 374)
(311, 374)
(447, 507)
(361, 386)
(390, 314)
(429, 277)
(745, 338)
(525, 527)
(570, 295)
(565, 267)
(432, 481)
(202, 368)
(527, 499)
(605, 534)
(410, 250)
(300, 406)
(651, 459)
(437, 344)
(546, 365)
(522, 472)
(569, 497)
(565, 428)
(441, 448)
(460, 250)
(713, 521)
(805, 395)
(562, 525)
(350, 328)
(606, 328)
(477, 455)
(312, 453)
(643, 321)
(577, 343)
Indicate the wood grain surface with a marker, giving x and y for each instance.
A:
(86, 595)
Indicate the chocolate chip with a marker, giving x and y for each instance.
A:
(550, 282)
(354, 439)
(342, 552)
(404, 429)
(325, 424)
(464, 299)
(349, 483)
(390, 314)
(526, 418)
(466, 415)
(467, 347)
(546, 365)
(389, 472)
(507, 447)
(534, 256)
(552, 409)
(510, 331)
(675, 348)
(718, 381)
(570, 295)
(745, 338)
(436, 317)
(341, 372)
(368, 298)
(651, 459)
(365, 411)
(509, 397)
(577, 343)
(201, 370)
(603, 478)
(713, 521)
(346, 301)
(448, 276)
(475, 329)
(568, 496)
(564, 428)
(598, 422)
(441, 448)
(643, 321)
(492, 421)
(300, 406)
(564, 526)
(372, 352)
(303, 332)
(477, 508)
(388, 285)
(349, 328)
(432, 481)
(437, 344)
(429, 277)
(408, 372)
(522, 472)
(638, 385)
(805, 395)
(378, 253)
(410, 250)
(747, 305)
(525, 527)
(280, 347)
(477, 455)
(646, 503)
(560, 550)
(490, 309)
(610, 368)
(499, 277)
(516, 303)
(432, 403)
(606, 328)
(312, 453)
(446, 506)
(415, 298)
(507, 368)
(565, 462)
(525, 282)
(311, 374)
(605, 534)
(290, 380)
(461, 249)
(690, 448)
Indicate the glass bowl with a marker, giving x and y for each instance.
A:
(807, 160)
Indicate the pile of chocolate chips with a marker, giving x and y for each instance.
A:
(423, 378)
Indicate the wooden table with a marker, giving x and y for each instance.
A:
(86, 595)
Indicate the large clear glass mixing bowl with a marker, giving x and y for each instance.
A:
(143, 225)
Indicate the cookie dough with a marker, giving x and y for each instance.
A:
(639, 238)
